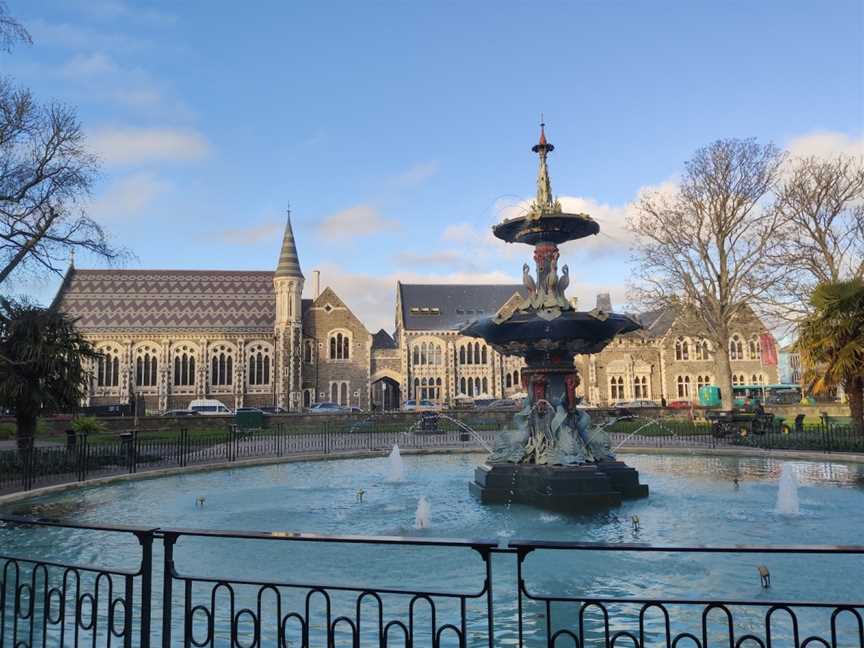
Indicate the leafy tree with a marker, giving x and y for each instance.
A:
(831, 343)
(705, 244)
(42, 364)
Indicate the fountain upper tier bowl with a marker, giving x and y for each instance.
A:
(548, 227)
(571, 332)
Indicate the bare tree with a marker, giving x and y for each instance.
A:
(822, 203)
(46, 174)
(704, 244)
(11, 31)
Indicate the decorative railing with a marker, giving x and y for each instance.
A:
(166, 600)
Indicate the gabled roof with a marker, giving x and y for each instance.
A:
(383, 340)
(658, 322)
(168, 299)
(448, 307)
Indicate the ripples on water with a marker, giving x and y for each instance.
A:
(693, 501)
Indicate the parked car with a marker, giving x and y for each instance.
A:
(274, 410)
(507, 404)
(463, 402)
(679, 404)
(354, 409)
(412, 405)
(253, 410)
(326, 408)
(637, 404)
(208, 407)
(180, 412)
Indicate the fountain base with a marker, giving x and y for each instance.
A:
(570, 489)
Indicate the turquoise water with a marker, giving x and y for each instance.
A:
(693, 502)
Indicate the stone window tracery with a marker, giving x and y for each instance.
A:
(184, 366)
(108, 367)
(736, 348)
(703, 381)
(222, 366)
(640, 387)
(683, 385)
(738, 379)
(146, 367)
(307, 351)
(754, 348)
(702, 350)
(682, 349)
(340, 345)
(616, 388)
(259, 364)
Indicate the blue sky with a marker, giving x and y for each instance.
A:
(399, 132)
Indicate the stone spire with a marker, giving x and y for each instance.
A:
(289, 263)
(544, 202)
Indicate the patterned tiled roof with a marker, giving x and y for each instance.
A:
(168, 299)
(442, 307)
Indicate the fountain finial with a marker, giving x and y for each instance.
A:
(544, 202)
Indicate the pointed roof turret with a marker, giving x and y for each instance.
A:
(289, 262)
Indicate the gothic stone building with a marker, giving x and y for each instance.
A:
(249, 339)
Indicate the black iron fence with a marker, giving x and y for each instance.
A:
(85, 457)
(164, 602)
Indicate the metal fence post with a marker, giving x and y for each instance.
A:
(168, 541)
(145, 538)
(82, 456)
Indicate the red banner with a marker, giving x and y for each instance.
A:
(769, 350)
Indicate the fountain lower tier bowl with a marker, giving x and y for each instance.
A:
(568, 489)
(570, 332)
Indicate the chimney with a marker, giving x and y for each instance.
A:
(604, 302)
(316, 283)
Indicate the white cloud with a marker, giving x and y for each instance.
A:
(77, 37)
(127, 197)
(251, 235)
(825, 144)
(127, 146)
(87, 66)
(417, 174)
(360, 220)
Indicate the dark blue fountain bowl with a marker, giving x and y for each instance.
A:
(572, 332)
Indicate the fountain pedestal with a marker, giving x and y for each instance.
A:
(569, 489)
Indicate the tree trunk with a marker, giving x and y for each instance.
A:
(25, 425)
(855, 393)
(724, 373)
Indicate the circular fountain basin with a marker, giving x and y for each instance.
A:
(695, 500)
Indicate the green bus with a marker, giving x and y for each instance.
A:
(709, 395)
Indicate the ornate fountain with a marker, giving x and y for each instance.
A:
(553, 457)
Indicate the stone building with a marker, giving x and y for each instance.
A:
(249, 339)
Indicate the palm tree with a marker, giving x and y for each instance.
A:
(42, 364)
(831, 343)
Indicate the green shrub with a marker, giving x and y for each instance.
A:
(88, 425)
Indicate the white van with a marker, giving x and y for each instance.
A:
(208, 407)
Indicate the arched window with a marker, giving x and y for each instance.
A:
(438, 355)
(462, 388)
(307, 398)
(221, 365)
(477, 353)
(108, 368)
(343, 394)
(682, 349)
(640, 387)
(702, 381)
(738, 379)
(757, 379)
(702, 350)
(485, 381)
(484, 357)
(508, 381)
(437, 389)
(616, 388)
(340, 346)
(754, 348)
(415, 356)
(259, 365)
(307, 351)
(462, 355)
(736, 348)
(184, 366)
(145, 366)
(334, 392)
(515, 378)
(683, 384)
